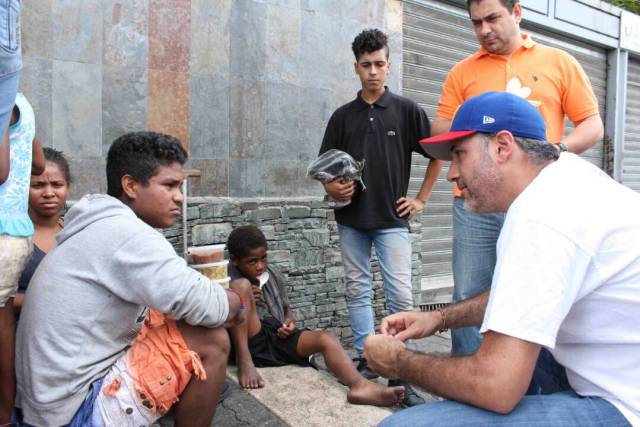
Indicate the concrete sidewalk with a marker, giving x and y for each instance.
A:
(305, 397)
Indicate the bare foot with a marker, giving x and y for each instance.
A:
(366, 392)
(248, 376)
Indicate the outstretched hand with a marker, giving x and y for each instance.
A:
(411, 324)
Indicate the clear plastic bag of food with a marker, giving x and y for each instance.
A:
(334, 164)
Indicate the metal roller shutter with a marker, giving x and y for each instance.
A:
(435, 37)
(631, 150)
(594, 61)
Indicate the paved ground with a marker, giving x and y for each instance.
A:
(304, 397)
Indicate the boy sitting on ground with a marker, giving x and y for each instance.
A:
(268, 335)
(81, 358)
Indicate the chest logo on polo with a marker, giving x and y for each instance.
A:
(515, 87)
(391, 133)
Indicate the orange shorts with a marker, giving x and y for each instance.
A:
(143, 384)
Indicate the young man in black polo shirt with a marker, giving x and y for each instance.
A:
(384, 129)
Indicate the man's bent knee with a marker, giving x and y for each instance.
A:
(241, 285)
(207, 342)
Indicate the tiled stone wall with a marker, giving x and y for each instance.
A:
(303, 243)
(247, 85)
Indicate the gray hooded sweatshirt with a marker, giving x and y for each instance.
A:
(87, 301)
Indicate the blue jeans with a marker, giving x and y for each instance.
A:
(550, 401)
(88, 415)
(559, 409)
(10, 58)
(474, 259)
(394, 253)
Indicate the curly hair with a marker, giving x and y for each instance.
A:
(55, 156)
(368, 41)
(244, 239)
(139, 154)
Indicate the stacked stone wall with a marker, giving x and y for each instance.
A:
(303, 243)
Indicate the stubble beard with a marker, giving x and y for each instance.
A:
(482, 189)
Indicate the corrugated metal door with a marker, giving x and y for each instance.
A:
(631, 150)
(435, 37)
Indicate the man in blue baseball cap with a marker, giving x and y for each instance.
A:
(567, 281)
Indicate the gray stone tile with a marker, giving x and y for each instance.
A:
(247, 115)
(88, 175)
(125, 32)
(77, 108)
(214, 178)
(333, 8)
(343, 76)
(36, 27)
(124, 102)
(247, 178)
(290, 4)
(317, 52)
(283, 121)
(77, 30)
(210, 38)
(372, 13)
(209, 117)
(394, 80)
(283, 44)
(315, 107)
(310, 141)
(35, 82)
(282, 178)
(248, 46)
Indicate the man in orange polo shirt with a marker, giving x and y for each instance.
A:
(554, 82)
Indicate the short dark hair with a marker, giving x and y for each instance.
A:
(244, 239)
(368, 41)
(540, 152)
(509, 4)
(55, 156)
(139, 154)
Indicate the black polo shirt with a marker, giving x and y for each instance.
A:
(385, 134)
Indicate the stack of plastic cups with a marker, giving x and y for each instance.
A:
(210, 261)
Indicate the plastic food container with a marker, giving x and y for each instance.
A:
(206, 254)
(222, 282)
(213, 270)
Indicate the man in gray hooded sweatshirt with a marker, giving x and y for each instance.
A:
(80, 355)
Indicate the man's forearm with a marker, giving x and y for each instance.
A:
(586, 134)
(440, 126)
(430, 180)
(469, 312)
(451, 378)
(495, 378)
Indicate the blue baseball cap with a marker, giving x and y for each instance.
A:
(490, 112)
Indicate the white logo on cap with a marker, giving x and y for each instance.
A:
(488, 120)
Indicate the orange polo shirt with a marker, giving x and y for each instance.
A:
(549, 78)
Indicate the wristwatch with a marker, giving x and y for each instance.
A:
(562, 147)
